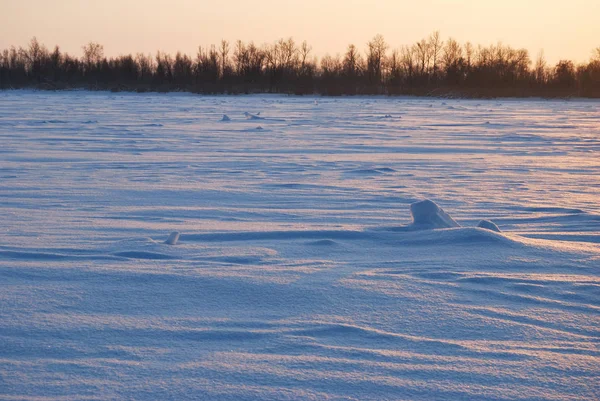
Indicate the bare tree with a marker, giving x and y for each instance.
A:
(34, 55)
(540, 68)
(224, 53)
(92, 54)
(182, 68)
(146, 66)
(256, 60)
(249, 60)
(451, 54)
(453, 62)
(375, 56)
(304, 51)
(351, 62)
(288, 54)
(564, 73)
(407, 61)
(519, 63)
(435, 47)
(422, 50)
(56, 59)
(272, 55)
(240, 57)
(394, 67)
(469, 53)
(164, 67)
(207, 65)
(307, 68)
(331, 66)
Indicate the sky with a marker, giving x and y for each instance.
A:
(562, 29)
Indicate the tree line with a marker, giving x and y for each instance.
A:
(431, 66)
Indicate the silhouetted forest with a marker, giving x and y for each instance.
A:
(431, 66)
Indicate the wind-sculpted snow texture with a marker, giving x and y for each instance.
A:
(298, 272)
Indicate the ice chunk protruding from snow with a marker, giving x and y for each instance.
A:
(173, 238)
(253, 116)
(225, 118)
(428, 213)
(488, 225)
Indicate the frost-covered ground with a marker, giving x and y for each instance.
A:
(297, 274)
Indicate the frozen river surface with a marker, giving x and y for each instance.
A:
(298, 273)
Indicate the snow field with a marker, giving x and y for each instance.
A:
(153, 249)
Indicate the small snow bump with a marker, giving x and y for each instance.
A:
(488, 225)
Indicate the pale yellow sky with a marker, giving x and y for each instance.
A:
(564, 29)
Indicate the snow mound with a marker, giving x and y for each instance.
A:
(427, 213)
(173, 238)
(460, 236)
(253, 116)
(225, 118)
(488, 225)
